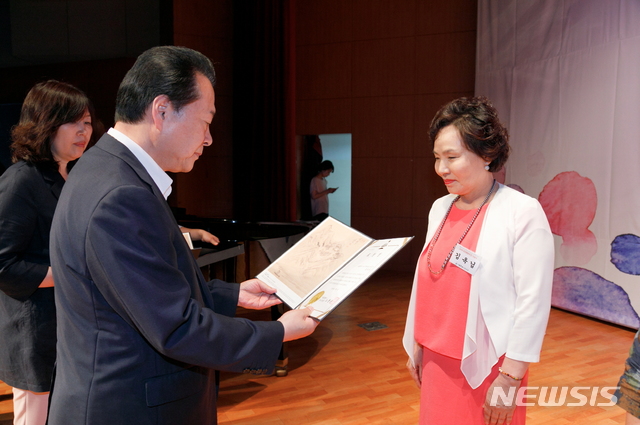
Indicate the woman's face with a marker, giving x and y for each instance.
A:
(71, 139)
(462, 170)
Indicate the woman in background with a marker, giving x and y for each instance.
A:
(627, 396)
(482, 288)
(54, 130)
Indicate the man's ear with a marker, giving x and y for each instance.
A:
(160, 108)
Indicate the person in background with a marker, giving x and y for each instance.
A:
(54, 130)
(140, 332)
(482, 289)
(320, 192)
(627, 396)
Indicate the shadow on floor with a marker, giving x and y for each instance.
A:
(6, 419)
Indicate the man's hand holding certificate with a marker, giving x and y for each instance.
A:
(327, 265)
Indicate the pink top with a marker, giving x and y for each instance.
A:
(442, 300)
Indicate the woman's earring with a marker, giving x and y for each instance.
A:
(486, 167)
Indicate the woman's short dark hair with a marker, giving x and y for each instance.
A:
(325, 165)
(47, 106)
(162, 70)
(477, 122)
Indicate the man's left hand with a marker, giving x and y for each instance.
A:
(255, 294)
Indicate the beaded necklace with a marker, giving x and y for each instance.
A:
(437, 235)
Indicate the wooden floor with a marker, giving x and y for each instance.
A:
(344, 374)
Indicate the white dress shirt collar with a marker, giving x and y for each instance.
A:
(161, 179)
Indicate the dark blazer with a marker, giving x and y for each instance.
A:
(139, 330)
(28, 198)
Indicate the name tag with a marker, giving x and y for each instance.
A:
(466, 259)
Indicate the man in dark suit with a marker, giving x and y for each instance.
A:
(140, 332)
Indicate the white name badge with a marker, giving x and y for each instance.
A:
(466, 259)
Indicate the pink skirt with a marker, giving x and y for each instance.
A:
(446, 398)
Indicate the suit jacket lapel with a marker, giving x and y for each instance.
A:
(116, 148)
(111, 145)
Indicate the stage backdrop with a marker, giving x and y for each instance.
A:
(565, 77)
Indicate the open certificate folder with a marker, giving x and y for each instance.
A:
(327, 265)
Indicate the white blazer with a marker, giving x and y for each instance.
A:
(510, 294)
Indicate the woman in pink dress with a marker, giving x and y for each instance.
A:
(482, 289)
